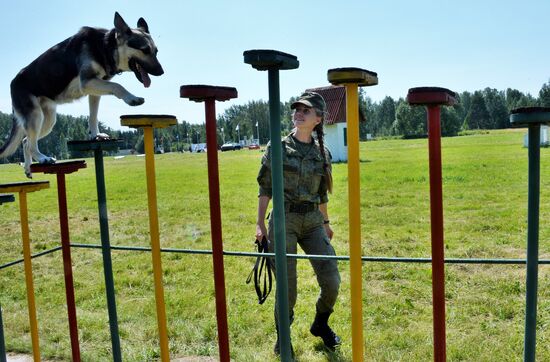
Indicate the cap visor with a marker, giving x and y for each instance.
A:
(304, 102)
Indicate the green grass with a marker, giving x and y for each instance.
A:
(485, 197)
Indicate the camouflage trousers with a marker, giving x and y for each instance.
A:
(308, 231)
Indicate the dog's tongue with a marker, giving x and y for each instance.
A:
(145, 77)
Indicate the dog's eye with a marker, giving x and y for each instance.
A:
(146, 50)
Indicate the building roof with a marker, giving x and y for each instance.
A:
(335, 98)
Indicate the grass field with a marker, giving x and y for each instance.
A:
(485, 197)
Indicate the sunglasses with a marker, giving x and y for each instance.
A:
(304, 111)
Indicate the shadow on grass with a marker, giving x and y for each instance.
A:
(332, 356)
(362, 160)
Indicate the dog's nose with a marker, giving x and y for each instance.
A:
(158, 71)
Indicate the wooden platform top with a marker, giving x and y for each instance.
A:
(92, 145)
(59, 167)
(525, 116)
(201, 92)
(431, 96)
(25, 186)
(361, 77)
(148, 120)
(5, 198)
(266, 59)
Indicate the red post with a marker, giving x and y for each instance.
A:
(436, 211)
(60, 169)
(216, 227)
(209, 95)
(433, 98)
(67, 265)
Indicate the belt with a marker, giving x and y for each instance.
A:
(302, 207)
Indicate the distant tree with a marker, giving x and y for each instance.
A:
(513, 98)
(544, 95)
(367, 108)
(496, 106)
(451, 122)
(479, 117)
(246, 116)
(410, 121)
(385, 116)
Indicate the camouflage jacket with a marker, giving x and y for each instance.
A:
(303, 172)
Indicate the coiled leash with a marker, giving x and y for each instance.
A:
(261, 270)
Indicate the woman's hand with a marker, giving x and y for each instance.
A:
(261, 231)
(329, 231)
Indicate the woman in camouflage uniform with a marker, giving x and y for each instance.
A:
(307, 180)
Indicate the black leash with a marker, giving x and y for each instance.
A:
(262, 269)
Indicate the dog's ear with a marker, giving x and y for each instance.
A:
(120, 25)
(142, 24)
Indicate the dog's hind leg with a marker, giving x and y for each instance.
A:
(33, 125)
(93, 122)
(49, 111)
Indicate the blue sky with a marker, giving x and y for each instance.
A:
(465, 45)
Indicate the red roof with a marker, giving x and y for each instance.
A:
(335, 98)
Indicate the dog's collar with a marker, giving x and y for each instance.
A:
(112, 61)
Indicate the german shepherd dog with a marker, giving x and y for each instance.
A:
(78, 66)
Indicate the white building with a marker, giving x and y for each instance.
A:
(543, 137)
(336, 122)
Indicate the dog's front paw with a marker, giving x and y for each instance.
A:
(47, 160)
(134, 101)
(101, 137)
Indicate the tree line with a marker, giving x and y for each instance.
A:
(482, 109)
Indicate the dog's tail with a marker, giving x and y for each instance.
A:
(14, 140)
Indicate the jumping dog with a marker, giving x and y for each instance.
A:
(78, 66)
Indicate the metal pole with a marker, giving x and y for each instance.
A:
(155, 241)
(67, 265)
(216, 227)
(436, 211)
(106, 251)
(532, 243)
(279, 214)
(354, 191)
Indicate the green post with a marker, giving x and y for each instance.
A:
(2, 344)
(273, 61)
(279, 213)
(98, 147)
(532, 243)
(533, 118)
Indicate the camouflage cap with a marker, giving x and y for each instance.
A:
(311, 99)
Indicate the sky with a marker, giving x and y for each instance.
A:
(460, 45)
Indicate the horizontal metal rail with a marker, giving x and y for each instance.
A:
(380, 259)
(42, 253)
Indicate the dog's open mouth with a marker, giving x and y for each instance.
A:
(141, 74)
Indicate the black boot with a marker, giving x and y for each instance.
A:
(320, 328)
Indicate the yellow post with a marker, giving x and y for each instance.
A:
(352, 79)
(22, 188)
(149, 122)
(28, 274)
(352, 108)
(155, 241)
